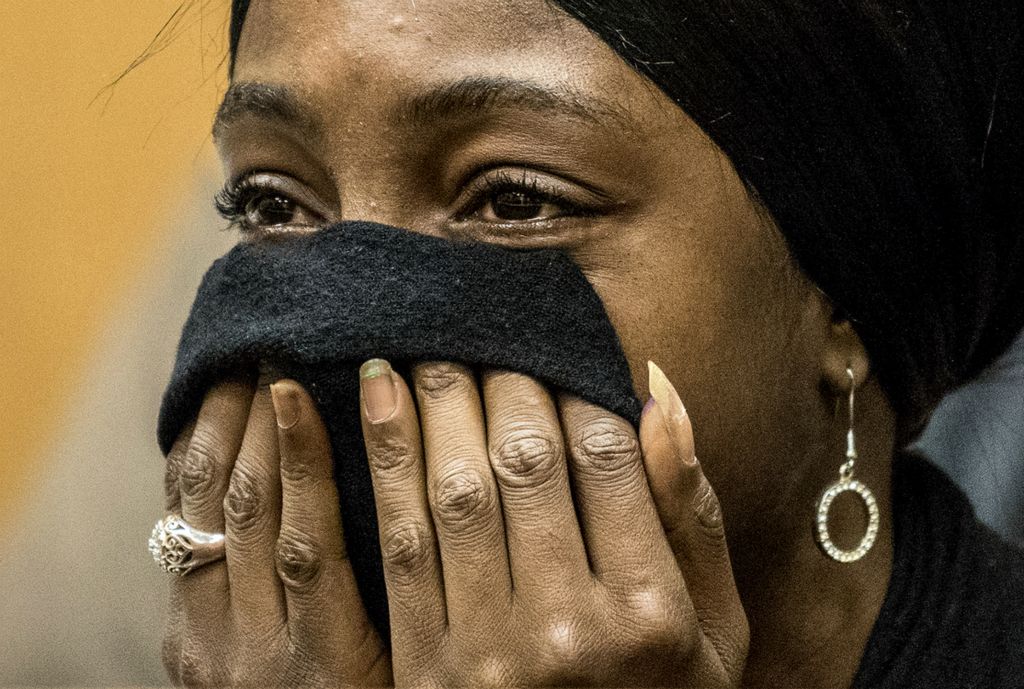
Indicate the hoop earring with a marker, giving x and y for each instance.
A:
(845, 483)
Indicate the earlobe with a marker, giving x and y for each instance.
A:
(843, 349)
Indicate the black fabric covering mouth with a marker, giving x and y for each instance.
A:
(314, 307)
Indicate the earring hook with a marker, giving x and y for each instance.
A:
(851, 448)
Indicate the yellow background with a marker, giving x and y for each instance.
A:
(89, 175)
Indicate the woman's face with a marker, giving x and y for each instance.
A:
(506, 121)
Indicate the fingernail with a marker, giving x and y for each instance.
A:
(286, 405)
(664, 393)
(378, 389)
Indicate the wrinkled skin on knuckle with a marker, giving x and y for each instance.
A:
(197, 474)
(196, 669)
(298, 560)
(436, 380)
(606, 447)
(301, 472)
(172, 470)
(654, 624)
(243, 504)
(708, 511)
(390, 455)
(463, 501)
(564, 649)
(654, 617)
(525, 458)
(404, 548)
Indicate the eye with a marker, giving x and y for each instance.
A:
(269, 210)
(520, 198)
(517, 206)
(266, 203)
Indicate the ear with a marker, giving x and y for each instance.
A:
(843, 349)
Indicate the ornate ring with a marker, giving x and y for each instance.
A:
(178, 548)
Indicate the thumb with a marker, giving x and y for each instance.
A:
(692, 519)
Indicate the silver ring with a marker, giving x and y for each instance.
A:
(178, 548)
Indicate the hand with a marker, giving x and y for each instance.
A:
(528, 545)
(282, 609)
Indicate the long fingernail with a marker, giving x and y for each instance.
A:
(664, 393)
(286, 404)
(378, 389)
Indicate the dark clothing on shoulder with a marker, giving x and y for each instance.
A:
(953, 616)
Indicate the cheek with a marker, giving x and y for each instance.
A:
(718, 304)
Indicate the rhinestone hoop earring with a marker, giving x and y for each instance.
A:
(845, 483)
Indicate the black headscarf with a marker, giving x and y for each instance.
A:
(885, 138)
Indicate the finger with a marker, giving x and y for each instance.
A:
(204, 473)
(252, 512)
(524, 436)
(462, 492)
(620, 524)
(692, 518)
(412, 566)
(325, 614)
(203, 593)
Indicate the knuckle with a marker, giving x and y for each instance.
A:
(198, 470)
(526, 459)
(563, 645)
(194, 670)
(172, 468)
(301, 471)
(390, 454)
(436, 380)
(606, 447)
(405, 548)
(657, 620)
(243, 504)
(661, 631)
(298, 560)
(491, 673)
(708, 511)
(567, 652)
(463, 498)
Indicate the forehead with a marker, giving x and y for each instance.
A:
(319, 46)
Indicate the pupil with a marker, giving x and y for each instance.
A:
(271, 210)
(515, 205)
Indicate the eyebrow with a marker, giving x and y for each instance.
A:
(465, 98)
(266, 101)
(472, 96)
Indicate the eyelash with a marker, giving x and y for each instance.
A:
(233, 200)
(504, 181)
